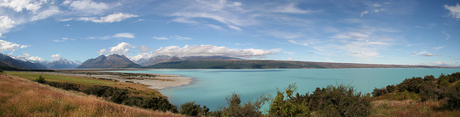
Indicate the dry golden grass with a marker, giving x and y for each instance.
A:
(134, 87)
(409, 108)
(21, 97)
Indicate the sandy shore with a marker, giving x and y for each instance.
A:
(154, 81)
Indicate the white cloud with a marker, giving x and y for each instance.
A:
(210, 50)
(214, 26)
(62, 39)
(18, 5)
(27, 57)
(418, 26)
(230, 14)
(428, 54)
(437, 48)
(47, 13)
(64, 20)
(304, 44)
(115, 17)
(6, 45)
(376, 10)
(448, 35)
(439, 63)
(290, 59)
(124, 35)
(364, 12)
(376, 5)
(87, 6)
(144, 49)
(291, 8)
(67, 25)
(180, 37)
(351, 35)
(454, 11)
(5, 24)
(121, 49)
(24, 46)
(235, 27)
(57, 56)
(160, 38)
(103, 51)
(285, 35)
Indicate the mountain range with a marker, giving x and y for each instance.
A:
(111, 61)
(189, 62)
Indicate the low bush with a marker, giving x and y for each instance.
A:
(236, 109)
(378, 92)
(453, 97)
(339, 101)
(288, 107)
(40, 79)
(410, 84)
(391, 88)
(192, 109)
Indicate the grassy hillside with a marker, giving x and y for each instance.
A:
(264, 64)
(22, 97)
(142, 89)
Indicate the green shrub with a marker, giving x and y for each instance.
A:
(192, 109)
(40, 79)
(339, 101)
(290, 106)
(453, 97)
(235, 109)
(443, 83)
(427, 90)
(391, 88)
(429, 78)
(454, 77)
(378, 92)
(411, 85)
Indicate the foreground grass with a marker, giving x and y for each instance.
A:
(58, 78)
(21, 97)
(409, 108)
(140, 88)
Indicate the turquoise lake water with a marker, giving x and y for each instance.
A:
(211, 86)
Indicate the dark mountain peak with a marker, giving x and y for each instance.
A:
(111, 61)
(20, 63)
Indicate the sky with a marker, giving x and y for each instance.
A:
(413, 32)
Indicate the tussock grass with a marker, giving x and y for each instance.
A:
(140, 88)
(22, 97)
(410, 108)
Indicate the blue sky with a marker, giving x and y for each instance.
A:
(425, 32)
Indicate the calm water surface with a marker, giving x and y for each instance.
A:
(211, 86)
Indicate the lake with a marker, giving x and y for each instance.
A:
(211, 86)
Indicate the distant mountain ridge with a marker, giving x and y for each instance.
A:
(269, 64)
(111, 61)
(164, 58)
(62, 63)
(21, 63)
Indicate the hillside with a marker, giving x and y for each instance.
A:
(111, 61)
(265, 64)
(6, 66)
(20, 63)
(21, 97)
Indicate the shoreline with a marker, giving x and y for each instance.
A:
(153, 81)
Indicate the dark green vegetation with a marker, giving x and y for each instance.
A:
(331, 101)
(444, 91)
(117, 95)
(265, 64)
(111, 61)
